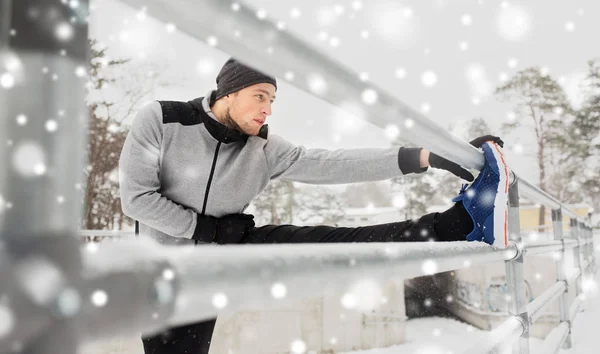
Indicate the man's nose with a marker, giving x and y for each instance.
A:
(267, 110)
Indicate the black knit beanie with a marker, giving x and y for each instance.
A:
(235, 76)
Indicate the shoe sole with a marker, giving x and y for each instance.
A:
(501, 200)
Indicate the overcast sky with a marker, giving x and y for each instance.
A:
(440, 56)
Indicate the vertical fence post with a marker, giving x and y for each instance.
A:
(577, 253)
(586, 249)
(42, 150)
(592, 247)
(563, 302)
(514, 272)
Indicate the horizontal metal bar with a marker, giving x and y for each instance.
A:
(105, 233)
(499, 338)
(554, 339)
(569, 244)
(575, 307)
(537, 307)
(543, 247)
(203, 19)
(245, 274)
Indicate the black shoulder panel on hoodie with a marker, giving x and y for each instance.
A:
(179, 112)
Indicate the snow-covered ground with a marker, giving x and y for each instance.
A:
(447, 336)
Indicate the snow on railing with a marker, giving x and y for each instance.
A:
(61, 293)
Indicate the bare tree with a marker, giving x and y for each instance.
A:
(116, 89)
(540, 104)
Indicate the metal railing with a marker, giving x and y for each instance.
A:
(129, 287)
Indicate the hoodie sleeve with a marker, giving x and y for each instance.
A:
(139, 167)
(319, 166)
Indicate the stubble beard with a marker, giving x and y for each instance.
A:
(230, 123)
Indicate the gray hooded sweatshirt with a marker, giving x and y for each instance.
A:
(178, 161)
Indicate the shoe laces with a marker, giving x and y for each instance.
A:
(463, 189)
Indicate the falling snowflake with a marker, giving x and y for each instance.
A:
(64, 32)
(356, 5)
(409, 123)
(278, 290)
(235, 6)
(364, 34)
(7, 80)
(400, 73)
(466, 20)
(168, 274)
(349, 301)
(205, 66)
(99, 298)
(7, 320)
(298, 346)
(29, 159)
(289, 76)
(317, 84)
(391, 131)
(219, 300)
(399, 201)
(511, 116)
(513, 23)
(425, 107)
(295, 12)
(429, 267)
(570, 26)
(463, 45)
(518, 148)
(51, 125)
(212, 41)
(334, 41)
(369, 96)
(69, 302)
(429, 78)
(21, 119)
(261, 14)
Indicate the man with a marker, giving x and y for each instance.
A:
(188, 170)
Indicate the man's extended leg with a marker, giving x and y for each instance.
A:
(451, 225)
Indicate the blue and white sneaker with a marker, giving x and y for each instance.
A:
(486, 199)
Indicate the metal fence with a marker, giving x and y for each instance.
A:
(57, 293)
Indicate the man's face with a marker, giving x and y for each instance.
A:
(250, 107)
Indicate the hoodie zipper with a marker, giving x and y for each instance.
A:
(210, 177)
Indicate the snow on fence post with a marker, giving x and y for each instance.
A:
(43, 113)
(515, 280)
(563, 301)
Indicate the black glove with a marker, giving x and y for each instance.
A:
(229, 229)
(233, 228)
(477, 142)
(436, 161)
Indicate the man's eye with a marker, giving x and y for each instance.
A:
(260, 96)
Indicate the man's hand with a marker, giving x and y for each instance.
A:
(232, 228)
(437, 161)
(229, 229)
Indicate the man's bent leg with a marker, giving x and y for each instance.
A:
(451, 225)
(189, 339)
